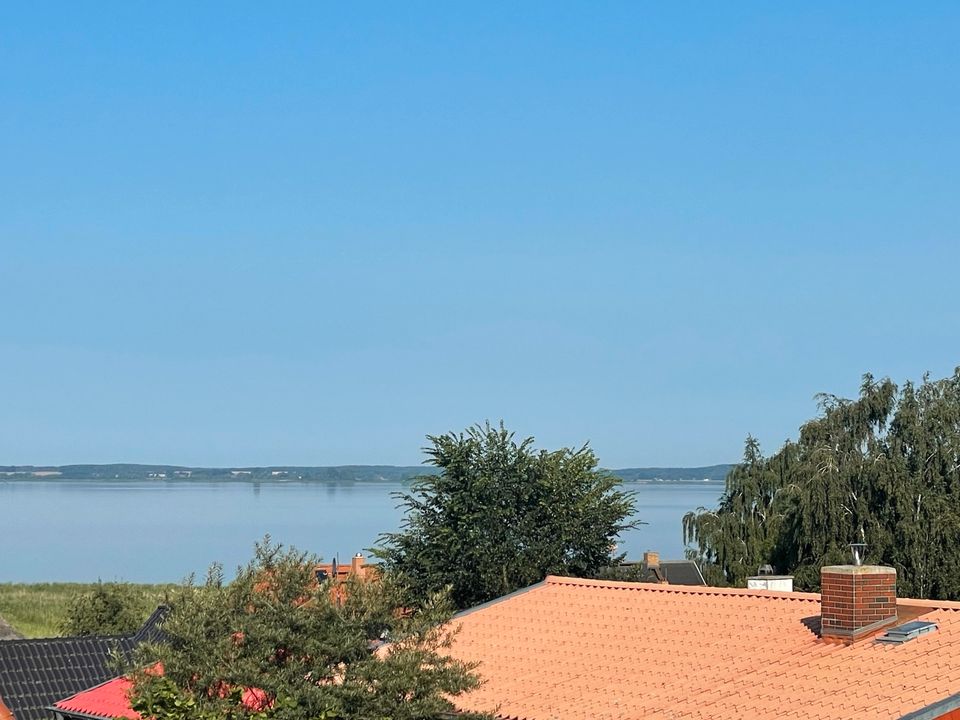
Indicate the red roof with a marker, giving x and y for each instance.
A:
(591, 650)
(111, 701)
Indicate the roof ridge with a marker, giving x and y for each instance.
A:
(152, 628)
(937, 604)
(501, 599)
(64, 638)
(683, 589)
(713, 590)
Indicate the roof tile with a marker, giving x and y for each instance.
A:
(580, 649)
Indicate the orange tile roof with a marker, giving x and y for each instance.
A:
(570, 649)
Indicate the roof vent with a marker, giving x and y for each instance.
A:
(769, 581)
(765, 570)
(907, 631)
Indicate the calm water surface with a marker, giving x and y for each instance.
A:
(82, 530)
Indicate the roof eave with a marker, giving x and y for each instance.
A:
(504, 598)
(61, 713)
(935, 710)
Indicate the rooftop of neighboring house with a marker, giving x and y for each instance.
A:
(591, 649)
(675, 572)
(111, 701)
(342, 570)
(574, 649)
(36, 673)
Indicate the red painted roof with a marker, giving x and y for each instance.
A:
(111, 701)
(591, 650)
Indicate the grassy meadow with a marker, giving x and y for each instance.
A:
(37, 609)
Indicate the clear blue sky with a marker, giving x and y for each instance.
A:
(313, 233)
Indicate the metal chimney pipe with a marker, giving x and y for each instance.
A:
(859, 551)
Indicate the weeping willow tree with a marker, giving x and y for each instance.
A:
(883, 469)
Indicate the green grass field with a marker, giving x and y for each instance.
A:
(37, 609)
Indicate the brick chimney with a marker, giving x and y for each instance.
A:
(356, 565)
(856, 601)
(651, 562)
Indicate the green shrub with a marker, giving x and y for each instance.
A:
(106, 609)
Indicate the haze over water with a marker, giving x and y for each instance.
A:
(149, 531)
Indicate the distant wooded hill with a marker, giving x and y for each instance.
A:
(709, 472)
(340, 473)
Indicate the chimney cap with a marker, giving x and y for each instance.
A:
(858, 570)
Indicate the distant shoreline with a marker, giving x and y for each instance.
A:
(303, 474)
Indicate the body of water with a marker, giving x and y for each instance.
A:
(81, 530)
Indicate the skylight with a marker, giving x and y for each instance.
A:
(907, 631)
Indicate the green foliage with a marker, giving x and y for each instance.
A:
(274, 634)
(105, 609)
(884, 469)
(501, 515)
(40, 609)
(634, 572)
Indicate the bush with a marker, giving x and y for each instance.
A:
(107, 609)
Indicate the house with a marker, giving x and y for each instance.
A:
(111, 701)
(576, 649)
(108, 701)
(36, 673)
(674, 572)
(573, 649)
(339, 572)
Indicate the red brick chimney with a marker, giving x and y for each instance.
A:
(356, 565)
(856, 601)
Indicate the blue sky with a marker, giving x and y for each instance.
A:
(311, 234)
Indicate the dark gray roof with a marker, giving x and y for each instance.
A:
(152, 629)
(682, 572)
(36, 673)
(674, 572)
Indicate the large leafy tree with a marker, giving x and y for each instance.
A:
(884, 469)
(273, 644)
(500, 515)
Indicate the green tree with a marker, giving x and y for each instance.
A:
(274, 645)
(107, 609)
(884, 469)
(501, 515)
